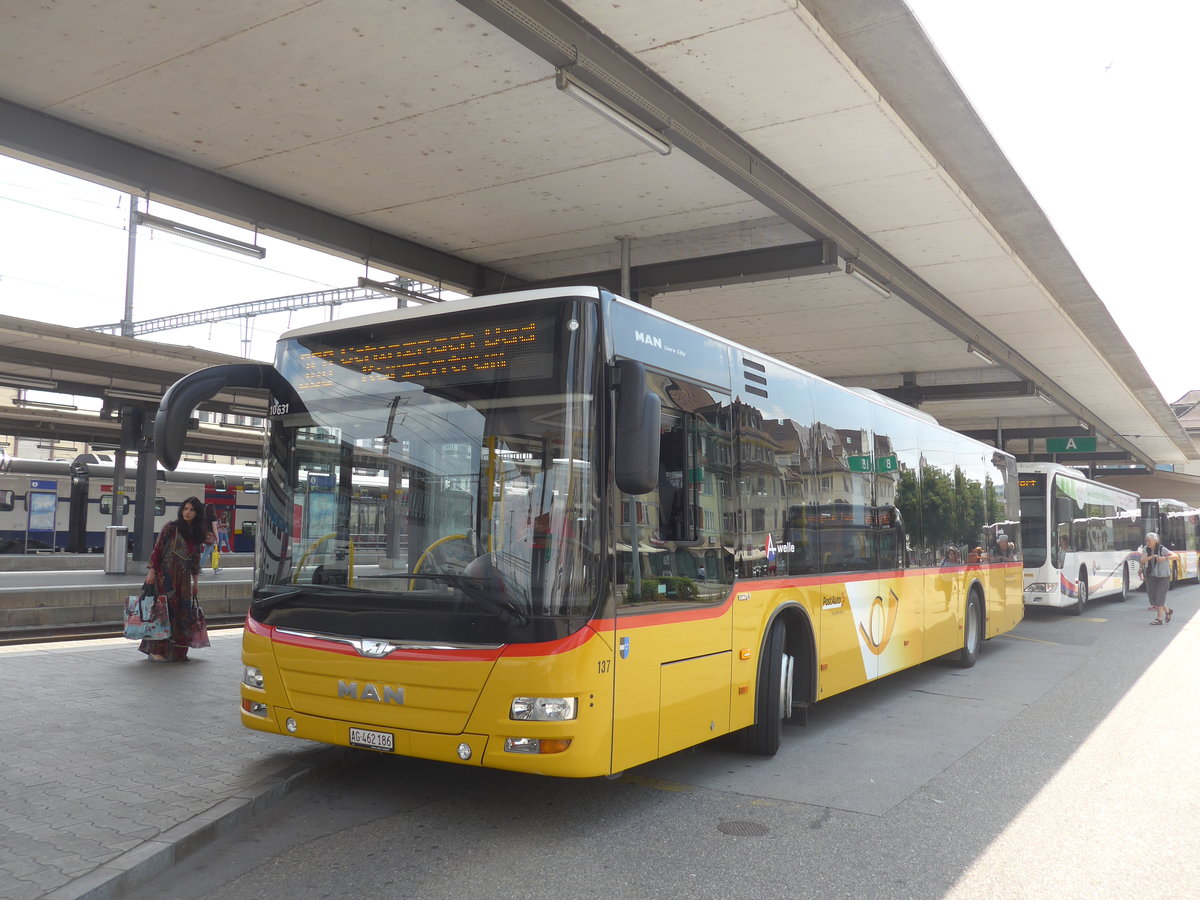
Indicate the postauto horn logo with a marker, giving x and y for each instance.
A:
(877, 630)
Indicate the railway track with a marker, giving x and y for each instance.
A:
(10, 637)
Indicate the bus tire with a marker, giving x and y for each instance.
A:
(1124, 595)
(972, 630)
(773, 697)
(1076, 608)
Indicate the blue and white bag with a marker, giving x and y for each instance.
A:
(146, 616)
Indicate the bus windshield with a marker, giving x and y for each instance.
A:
(446, 467)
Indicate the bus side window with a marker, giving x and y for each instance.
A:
(677, 512)
(7, 501)
(160, 506)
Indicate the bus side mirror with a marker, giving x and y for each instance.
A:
(174, 415)
(638, 410)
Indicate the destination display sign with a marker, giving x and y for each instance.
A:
(515, 350)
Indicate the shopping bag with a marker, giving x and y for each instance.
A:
(146, 616)
(216, 558)
(196, 632)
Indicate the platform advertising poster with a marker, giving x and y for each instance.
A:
(43, 504)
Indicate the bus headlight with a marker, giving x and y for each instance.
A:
(1041, 587)
(252, 677)
(542, 709)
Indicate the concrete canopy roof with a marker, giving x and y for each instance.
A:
(122, 372)
(429, 138)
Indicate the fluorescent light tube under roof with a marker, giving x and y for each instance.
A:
(166, 226)
(41, 384)
(42, 404)
(975, 351)
(118, 394)
(619, 118)
(869, 280)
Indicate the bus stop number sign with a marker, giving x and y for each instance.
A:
(1071, 445)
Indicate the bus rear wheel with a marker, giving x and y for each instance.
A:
(773, 698)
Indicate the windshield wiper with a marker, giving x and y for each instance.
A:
(475, 587)
(480, 588)
(269, 601)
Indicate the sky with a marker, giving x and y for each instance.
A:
(1093, 102)
(1090, 100)
(63, 258)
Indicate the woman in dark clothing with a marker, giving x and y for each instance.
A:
(174, 571)
(1156, 562)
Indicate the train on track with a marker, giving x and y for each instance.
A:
(64, 505)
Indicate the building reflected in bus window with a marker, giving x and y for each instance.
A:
(676, 543)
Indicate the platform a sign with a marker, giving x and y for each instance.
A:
(1071, 445)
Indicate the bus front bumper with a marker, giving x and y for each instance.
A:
(1038, 594)
(464, 749)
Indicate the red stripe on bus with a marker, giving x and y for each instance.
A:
(553, 648)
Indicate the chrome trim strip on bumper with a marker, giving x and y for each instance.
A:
(361, 644)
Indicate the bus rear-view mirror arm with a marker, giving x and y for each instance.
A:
(638, 412)
(182, 398)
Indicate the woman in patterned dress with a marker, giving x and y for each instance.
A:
(174, 571)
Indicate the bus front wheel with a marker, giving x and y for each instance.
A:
(1124, 595)
(773, 698)
(1077, 608)
(972, 631)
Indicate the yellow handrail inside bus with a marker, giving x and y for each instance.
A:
(424, 553)
(490, 442)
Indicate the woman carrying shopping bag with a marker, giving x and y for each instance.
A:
(174, 572)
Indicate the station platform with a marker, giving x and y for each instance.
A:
(65, 593)
(113, 766)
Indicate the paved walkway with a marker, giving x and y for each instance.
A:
(111, 764)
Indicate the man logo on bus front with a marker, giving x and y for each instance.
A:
(373, 648)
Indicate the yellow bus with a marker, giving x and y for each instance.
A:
(599, 535)
(1178, 527)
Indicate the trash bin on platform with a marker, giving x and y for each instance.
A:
(116, 539)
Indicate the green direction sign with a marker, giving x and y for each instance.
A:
(1071, 445)
(862, 463)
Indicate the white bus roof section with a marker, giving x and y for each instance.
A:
(430, 138)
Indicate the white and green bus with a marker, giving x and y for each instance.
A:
(1080, 538)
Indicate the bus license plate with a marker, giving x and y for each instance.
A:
(372, 740)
